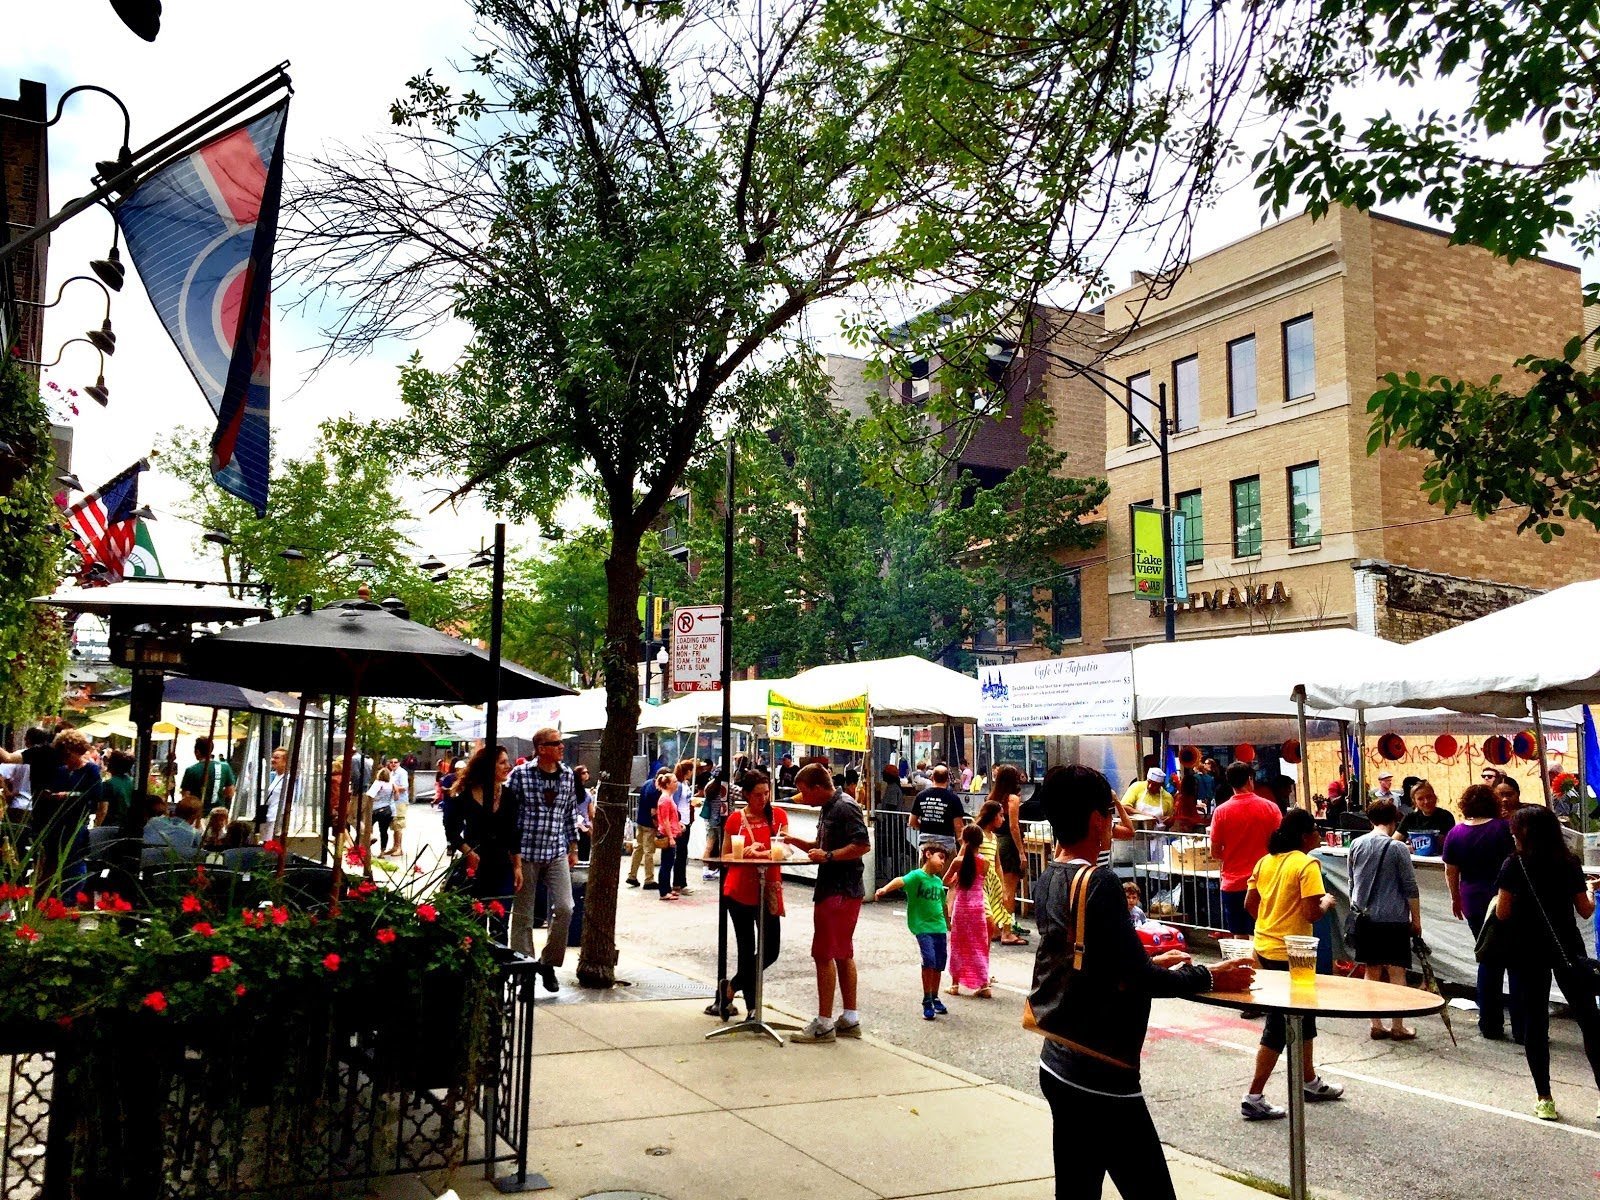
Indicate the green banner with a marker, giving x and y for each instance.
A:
(841, 726)
(142, 560)
(1149, 554)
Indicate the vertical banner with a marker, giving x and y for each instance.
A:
(1149, 554)
(841, 726)
(1180, 556)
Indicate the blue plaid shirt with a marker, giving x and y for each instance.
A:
(547, 825)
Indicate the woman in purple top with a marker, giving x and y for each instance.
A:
(1473, 854)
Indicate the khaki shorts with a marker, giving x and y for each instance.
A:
(400, 807)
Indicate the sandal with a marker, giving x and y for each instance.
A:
(1013, 941)
(723, 1008)
(983, 993)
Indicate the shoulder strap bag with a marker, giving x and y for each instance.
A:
(1585, 970)
(1041, 1014)
(1358, 921)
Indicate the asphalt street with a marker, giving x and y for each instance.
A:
(1420, 1119)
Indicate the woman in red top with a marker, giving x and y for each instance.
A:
(669, 827)
(756, 824)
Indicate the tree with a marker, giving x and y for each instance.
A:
(853, 545)
(1513, 171)
(643, 200)
(331, 505)
(33, 638)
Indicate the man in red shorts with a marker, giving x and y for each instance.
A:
(842, 842)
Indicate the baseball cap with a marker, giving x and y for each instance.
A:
(1155, 775)
(1385, 774)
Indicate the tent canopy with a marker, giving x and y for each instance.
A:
(177, 720)
(907, 690)
(1253, 675)
(1547, 647)
(585, 712)
(705, 708)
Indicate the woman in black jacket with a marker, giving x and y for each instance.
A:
(480, 823)
(1094, 1011)
(1541, 887)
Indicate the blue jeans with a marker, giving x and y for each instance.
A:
(1492, 1007)
(935, 948)
(1239, 922)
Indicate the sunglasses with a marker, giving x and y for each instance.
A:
(544, 745)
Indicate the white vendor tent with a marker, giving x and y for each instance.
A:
(583, 713)
(690, 711)
(907, 690)
(1546, 649)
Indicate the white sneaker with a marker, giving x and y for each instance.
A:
(849, 1029)
(1259, 1108)
(707, 875)
(814, 1032)
(1320, 1089)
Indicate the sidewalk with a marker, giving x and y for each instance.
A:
(631, 1098)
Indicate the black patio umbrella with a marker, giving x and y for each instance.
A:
(359, 649)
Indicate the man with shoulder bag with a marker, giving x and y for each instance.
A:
(1092, 986)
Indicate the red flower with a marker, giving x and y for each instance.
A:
(64, 1022)
(472, 870)
(27, 933)
(427, 912)
(220, 963)
(200, 874)
(156, 1001)
(111, 902)
(496, 908)
(478, 909)
(385, 935)
(280, 916)
(365, 888)
(272, 846)
(239, 991)
(81, 898)
(13, 891)
(416, 868)
(191, 903)
(355, 856)
(52, 909)
(331, 962)
(204, 929)
(466, 942)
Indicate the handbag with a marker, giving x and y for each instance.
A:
(1585, 970)
(1359, 922)
(1045, 1013)
(1494, 941)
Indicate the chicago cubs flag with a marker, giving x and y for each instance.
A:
(200, 230)
(103, 525)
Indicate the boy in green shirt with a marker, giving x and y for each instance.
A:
(925, 917)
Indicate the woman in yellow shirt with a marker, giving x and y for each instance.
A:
(1285, 897)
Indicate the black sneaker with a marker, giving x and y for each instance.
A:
(547, 976)
(633, 883)
(651, 886)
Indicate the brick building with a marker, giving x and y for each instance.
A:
(1269, 349)
(24, 202)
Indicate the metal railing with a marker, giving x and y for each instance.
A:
(893, 853)
(362, 1112)
(1181, 884)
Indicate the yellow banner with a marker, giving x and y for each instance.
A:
(841, 726)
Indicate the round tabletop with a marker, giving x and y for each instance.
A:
(1333, 996)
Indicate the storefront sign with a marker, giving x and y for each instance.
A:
(841, 726)
(1091, 694)
(1149, 553)
(1258, 595)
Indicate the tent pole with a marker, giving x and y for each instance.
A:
(1303, 792)
(1360, 765)
(1538, 737)
(286, 801)
(342, 800)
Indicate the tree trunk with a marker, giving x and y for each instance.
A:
(597, 960)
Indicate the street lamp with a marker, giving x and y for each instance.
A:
(662, 658)
(1159, 437)
(99, 392)
(101, 339)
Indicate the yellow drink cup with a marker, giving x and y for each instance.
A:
(1302, 952)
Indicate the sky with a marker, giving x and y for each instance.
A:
(348, 60)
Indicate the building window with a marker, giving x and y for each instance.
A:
(1247, 517)
(1140, 406)
(1242, 376)
(1066, 607)
(1019, 619)
(1305, 505)
(1186, 392)
(1194, 527)
(1299, 359)
(918, 389)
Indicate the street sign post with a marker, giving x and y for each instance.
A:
(697, 648)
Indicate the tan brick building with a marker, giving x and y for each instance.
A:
(1269, 350)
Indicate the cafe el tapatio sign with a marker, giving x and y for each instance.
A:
(1257, 595)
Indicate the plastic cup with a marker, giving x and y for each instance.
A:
(1302, 952)
(1236, 948)
(737, 845)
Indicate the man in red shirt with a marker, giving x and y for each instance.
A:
(1239, 832)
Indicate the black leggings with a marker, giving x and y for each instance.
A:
(1530, 988)
(383, 818)
(743, 917)
(1094, 1134)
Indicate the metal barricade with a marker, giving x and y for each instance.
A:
(1038, 842)
(1179, 881)
(893, 845)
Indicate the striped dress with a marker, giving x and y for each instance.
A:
(994, 888)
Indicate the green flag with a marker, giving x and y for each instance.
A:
(142, 561)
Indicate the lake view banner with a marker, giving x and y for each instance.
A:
(841, 726)
(1092, 694)
(1149, 553)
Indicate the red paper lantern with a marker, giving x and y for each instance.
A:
(1392, 746)
(1244, 752)
(1524, 745)
(1189, 756)
(1445, 746)
(1497, 750)
(1290, 751)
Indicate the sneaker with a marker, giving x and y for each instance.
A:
(1259, 1108)
(707, 875)
(1320, 1089)
(633, 883)
(849, 1029)
(650, 886)
(927, 1010)
(1545, 1110)
(938, 1007)
(814, 1032)
(547, 976)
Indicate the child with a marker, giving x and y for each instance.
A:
(969, 926)
(924, 890)
(1130, 889)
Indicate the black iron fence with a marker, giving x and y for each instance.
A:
(354, 1109)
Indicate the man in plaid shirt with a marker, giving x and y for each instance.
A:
(546, 795)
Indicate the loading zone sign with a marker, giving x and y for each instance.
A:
(697, 648)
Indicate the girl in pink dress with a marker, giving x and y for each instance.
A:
(969, 928)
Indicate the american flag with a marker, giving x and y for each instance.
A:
(103, 524)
